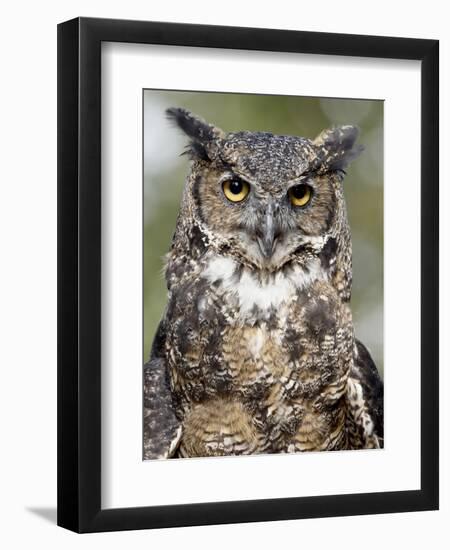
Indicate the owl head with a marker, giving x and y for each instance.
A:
(267, 200)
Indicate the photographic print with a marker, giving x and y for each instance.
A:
(230, 287)
(263, 274)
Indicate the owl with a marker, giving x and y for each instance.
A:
(256, 351)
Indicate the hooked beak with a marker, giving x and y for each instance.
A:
(267, 235)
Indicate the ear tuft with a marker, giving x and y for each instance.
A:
(337, 147)
(203, 135)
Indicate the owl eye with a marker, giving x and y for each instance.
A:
(235, 189)
(300, 195)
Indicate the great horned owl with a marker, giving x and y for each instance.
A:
(256, 351)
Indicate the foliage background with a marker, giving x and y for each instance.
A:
(165, 171)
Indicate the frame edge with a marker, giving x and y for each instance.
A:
(67, 370)
(430, 276)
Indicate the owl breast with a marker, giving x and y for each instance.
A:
(258, 363)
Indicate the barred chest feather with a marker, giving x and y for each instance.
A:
(259, 364)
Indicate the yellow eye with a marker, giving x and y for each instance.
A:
(300, 195)
(235, 189)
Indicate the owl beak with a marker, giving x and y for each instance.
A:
(267, 238)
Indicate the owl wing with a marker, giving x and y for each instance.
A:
(366, 373)
(162, 429)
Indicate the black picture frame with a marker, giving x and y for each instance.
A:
(79, 274)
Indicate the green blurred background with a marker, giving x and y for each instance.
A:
(165, 171)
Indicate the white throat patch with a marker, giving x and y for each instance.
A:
(250, 291)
